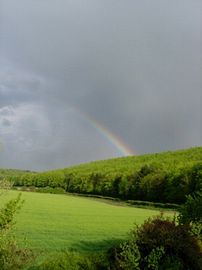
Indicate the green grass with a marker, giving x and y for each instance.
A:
(51, 222)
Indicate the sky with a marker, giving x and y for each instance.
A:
(84, 80)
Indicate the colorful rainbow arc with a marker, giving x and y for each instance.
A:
(106, 133)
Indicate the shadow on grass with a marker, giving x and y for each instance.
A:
(95, 246)
(81, 248)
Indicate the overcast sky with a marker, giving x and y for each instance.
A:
(135, 66)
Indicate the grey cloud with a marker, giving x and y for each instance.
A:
(6, 122)
(135, 66)
(6, 111)
(19, 86)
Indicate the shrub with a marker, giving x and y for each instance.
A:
(7, 213)
(11, 256)
(57, 190)
(177, 241)
(159, 244)
(74, 261)
(129, 256)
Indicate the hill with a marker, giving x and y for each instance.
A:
(12, 172)
(160, 177)
(125, 165)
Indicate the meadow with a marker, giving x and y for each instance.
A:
(50, 222)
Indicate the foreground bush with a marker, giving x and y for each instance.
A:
(73, 261)
(11, 256)
(158, 244)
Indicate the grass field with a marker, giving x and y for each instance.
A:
(52, 222)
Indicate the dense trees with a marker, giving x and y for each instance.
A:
(191, 213)
(166, 177)
(149, 183)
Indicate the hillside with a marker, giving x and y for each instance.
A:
(12, 172)
(161, 177)
(125, 165)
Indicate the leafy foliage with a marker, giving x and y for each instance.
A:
(129, 256)
(74, 261)
(7, 213)
(165, 177)
(191, 213)
(159, 244)
(11, 256)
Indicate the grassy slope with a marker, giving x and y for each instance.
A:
(127, 165)
(51, 222)
(8, 172)
(166, 160)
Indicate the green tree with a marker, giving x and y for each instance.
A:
(191, 213)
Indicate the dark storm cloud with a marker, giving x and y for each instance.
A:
(135, 66)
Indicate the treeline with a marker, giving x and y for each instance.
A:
(151, 182)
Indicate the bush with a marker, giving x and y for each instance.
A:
(74, 261)
(129, 256)
(11, 256)
(7, 213)
(158, 244)
(57, 190)
(176, 240)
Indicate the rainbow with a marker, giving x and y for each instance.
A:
(113, 139)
